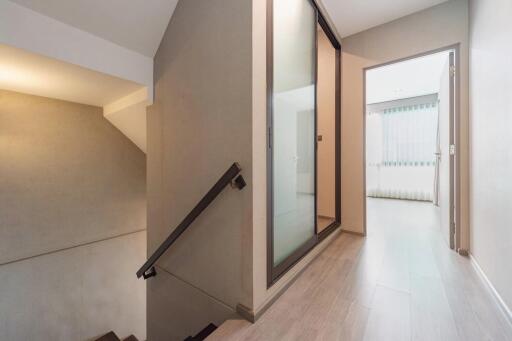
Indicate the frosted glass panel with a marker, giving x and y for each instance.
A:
(294, 52)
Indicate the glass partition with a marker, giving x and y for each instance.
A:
(293, 126)
(303, 156)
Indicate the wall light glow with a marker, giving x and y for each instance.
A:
(16, 78)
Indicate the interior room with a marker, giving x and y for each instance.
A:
(407, 139)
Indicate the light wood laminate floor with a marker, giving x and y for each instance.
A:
(402, 282)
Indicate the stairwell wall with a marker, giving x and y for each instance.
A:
(72, 223)
(199, 124)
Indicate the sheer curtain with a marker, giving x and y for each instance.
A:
(401, 144)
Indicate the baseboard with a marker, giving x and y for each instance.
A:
(253, 315)
(501, 303)
(360, 234)
(245, 312)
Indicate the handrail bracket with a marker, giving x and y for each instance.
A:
(150, 273)
(238, 182)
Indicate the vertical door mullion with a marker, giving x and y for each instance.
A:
(315, 113)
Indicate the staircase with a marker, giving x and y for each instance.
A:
(111, 336)
(203, 334)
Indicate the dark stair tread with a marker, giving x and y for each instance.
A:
(110, 336)
(131, 338)
(203, 334)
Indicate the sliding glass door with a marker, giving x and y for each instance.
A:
(292, 129)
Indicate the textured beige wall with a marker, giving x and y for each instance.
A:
(199, 125)
(67, 177)
(76, 294)
(72, 220)
(326, 121)
(433, 28)
(491, 157)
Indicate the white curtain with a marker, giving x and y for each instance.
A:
(401, 144)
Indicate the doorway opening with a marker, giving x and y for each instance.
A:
(410, 150)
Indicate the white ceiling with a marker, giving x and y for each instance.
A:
(139, 25)
(34, 74)
(410, 78)
(353, 16)
(135, 24)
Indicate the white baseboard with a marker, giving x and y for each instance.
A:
(503, 306)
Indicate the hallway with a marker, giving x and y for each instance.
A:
(400, 283)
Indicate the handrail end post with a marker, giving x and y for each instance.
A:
(149, 273)
(239, 182)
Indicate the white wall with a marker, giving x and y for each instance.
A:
(128, 114)
(491, 152)
(447, 25)
(410, 78)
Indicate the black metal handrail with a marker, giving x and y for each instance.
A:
(233, 176)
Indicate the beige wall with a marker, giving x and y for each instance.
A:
(326, 121)
(259, 151)
(491, 157)
(433, 28)
(199, 125)
(72, 222)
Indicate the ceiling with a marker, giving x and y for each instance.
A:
(410, 78)
(137, 25)
(353, 16)
(34, 74)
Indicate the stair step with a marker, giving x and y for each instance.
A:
(110, 336)
(231, 330)
(203, 334)
(131, 338)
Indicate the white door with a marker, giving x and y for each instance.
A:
(445, 150)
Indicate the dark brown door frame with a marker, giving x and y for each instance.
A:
(454, 136)
(276, 272)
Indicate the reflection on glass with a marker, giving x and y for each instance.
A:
(326, 120)
(293, 133)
